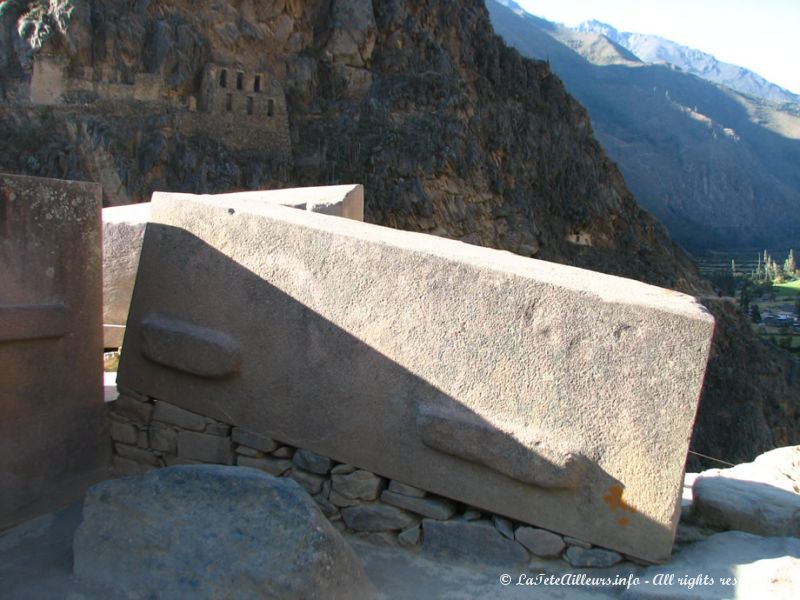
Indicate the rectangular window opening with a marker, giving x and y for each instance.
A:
(270, 107)
(249, 105)
(223, 78)
(229, 102)
(257, 83)
(240, 81)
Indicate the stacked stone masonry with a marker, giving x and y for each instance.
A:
(148, 434)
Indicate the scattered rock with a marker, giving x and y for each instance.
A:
(358, 485)
(185, 419)
(253, 440)
(205, 531)
(544, 544)
(405, 489)
(434, 508)
(761, 568)
(476, 542)
(313, 462)
(591, 557)
(273, 466)
(377, 517)
(759, 497)
(206, 448)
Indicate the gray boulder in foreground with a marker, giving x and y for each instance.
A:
(760, 497)
(730, 565)
(207, 531)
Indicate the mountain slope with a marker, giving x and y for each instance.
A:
(655, 49)
(719, 169)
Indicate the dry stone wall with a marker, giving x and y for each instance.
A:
(148, 434)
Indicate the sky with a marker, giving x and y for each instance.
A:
(761, 35)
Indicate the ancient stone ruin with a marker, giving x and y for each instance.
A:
(53, 438)
(549, 395)
(421, 390)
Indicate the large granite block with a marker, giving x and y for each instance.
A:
(556, 396)
(53, 441)
(123, 231)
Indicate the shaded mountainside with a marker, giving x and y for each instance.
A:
(718, 168)
(656, 49)
(452, 132)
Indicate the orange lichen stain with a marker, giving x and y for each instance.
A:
(623, 521)
(614, 499)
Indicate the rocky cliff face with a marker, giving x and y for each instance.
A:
(451, 132)
(717, 167)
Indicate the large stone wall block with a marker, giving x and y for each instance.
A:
(53, 438)
(124, 227)
(554, 396)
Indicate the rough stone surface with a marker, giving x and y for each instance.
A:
(205, 448)
(476, 542)
(405, 489)
(571, 541)
(434, 508)
(762, 497)
(377, 517)
(273, 466)
(328, 509)
(471, 514)
(537, 333)
(163, 438)
(358, 485)
(127, 433)
(310, 482)
(311, 461)
(540, 542)
(247, 451)
(123, 232)
(259, 442)
(138, 454)
(410, 537)
(341, 501)
(343, 469)
(53, 438)
(283, 452)
(591, 557)
(134, 409)
(204, 531)
(762, 568)
(504, 526)
(169, 413)
(220, 429)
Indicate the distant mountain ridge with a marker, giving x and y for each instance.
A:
(655, 49)
(719, 168)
